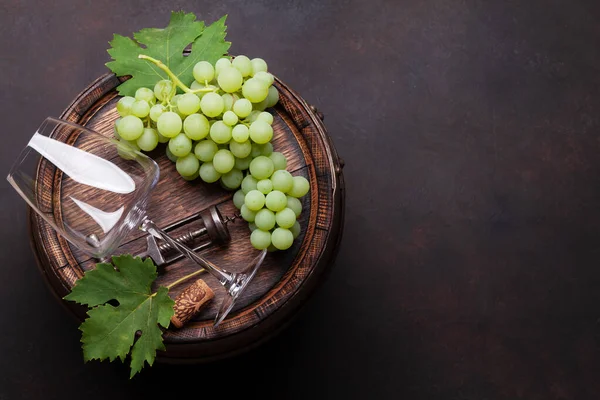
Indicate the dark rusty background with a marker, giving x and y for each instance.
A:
(469, 267)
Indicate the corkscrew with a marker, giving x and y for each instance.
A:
(213, 231)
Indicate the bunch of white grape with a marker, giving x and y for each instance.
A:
(217, 130)
(268, 200)
(214, 130)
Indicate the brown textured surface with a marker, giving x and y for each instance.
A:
(469, 266)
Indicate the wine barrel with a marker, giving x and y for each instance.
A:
(285, 280)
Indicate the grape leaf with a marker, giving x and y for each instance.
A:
(167, 45)
(110, 331)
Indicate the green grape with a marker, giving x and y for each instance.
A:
(243, 163)
(252, 226)
(247, 213)
(242, 108)
(220, 132)
(271, 248)
(127, 150)
(272, 97)
(255, 90)
(228, 100)
(196, 126)
(240, 150)
(264, 186)
(197, 85)
(130, 127)
(156, 111)
(282, 180)
(260, 239)
(133, 145)
(220, 64)
(149, 139)
(242, 64)
(180, 145)
(253, 115)
(146, 95)
(279, 160)
(232, 179)
(295, 229)
(192, 177)
(295, 205)
(300, 187)
(261, 132)
(223, 161)
(203, 71)
(285, 218)
(282, 238)
(208, 173)
(116, 128)
(230, 80)
(170, 155)
(260, 106)
(265, 77)
(240, 133)
(188, 165)
(188, 104)
(175, 99)
(238, 198)
(169, 124)
(276, 201)
(161, 138)
(174, 107)
(265, 149)
(258, 65)
(256, 150)
(124, 105)
(254, 200)
(266, 117)
(211, 105)
(164, 90)
(261, 167)
(249, 184)
(230, 118)
(140, 108)
(265, 219)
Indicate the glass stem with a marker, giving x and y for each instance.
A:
(223, 277)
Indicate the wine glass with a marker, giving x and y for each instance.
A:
(94, 190)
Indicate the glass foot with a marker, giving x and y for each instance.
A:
(238, 285)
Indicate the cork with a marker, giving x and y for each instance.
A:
(189, 302)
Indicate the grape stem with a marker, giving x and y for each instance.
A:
(185, 278)
(162, 66)
(174, 77)
(181, 280)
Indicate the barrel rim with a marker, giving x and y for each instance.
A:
(84, 107)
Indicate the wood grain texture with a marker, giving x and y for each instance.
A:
(285, 280)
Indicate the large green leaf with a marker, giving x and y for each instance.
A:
(166, 45)
(110, 331)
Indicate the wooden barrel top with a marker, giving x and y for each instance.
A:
(286, 278)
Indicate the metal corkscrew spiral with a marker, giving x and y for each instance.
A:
(183, 239)
(214, 229)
